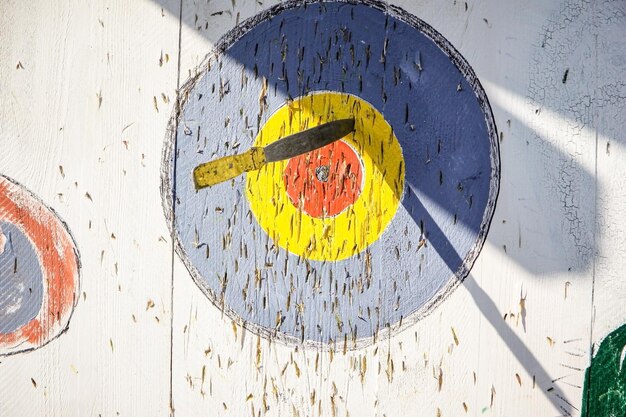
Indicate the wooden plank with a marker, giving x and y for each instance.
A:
(208, 349)
(87, 92)
(602, 113)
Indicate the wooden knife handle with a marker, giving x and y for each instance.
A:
(224, 169)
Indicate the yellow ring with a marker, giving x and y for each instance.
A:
(362, 223)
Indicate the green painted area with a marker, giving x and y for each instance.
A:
(604, 394)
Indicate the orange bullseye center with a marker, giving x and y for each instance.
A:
(323, 183)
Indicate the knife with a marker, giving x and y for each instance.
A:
(226, 168)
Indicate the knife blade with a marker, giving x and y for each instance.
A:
(223, 169)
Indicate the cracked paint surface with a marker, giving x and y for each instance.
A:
(577, 73)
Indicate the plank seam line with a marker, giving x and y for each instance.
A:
(587, 394)
(173, 218)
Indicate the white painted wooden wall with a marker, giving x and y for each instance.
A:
(90, 86)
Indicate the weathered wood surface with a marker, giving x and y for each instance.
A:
(91, 88)
(80, 130)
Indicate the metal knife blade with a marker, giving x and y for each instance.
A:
(308, 140)
(228, 167)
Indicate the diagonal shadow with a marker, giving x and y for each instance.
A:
(490, 312)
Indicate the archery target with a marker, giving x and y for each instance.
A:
(309, 249)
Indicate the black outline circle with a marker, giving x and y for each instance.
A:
(168, 169)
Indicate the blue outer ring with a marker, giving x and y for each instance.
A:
(440, 114)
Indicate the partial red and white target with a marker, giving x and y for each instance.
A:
(39, 271)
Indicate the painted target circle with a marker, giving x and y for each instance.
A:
(309, 249)
(327, 219)
(39, 271)
(326, 181)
